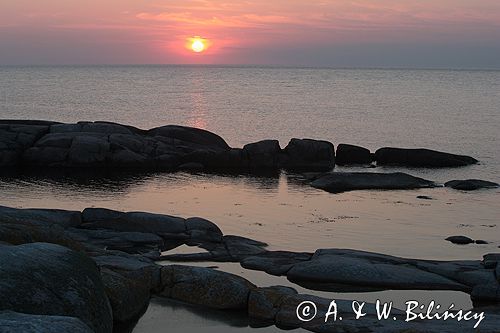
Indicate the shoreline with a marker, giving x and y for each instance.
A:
(104, 234)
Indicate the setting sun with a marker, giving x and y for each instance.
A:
(198, 44)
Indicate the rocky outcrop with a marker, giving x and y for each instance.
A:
(337, 182)
(470, 184)
(350, 155)
(48, 279)
(116, 263)
(110, 145)
(421, 158)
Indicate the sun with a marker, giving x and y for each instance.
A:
(197, 44)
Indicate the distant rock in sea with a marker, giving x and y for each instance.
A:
(470, 184)
(421, 158)
(110, 145)
(350, 154)
(336, 182)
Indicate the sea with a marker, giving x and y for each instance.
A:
(456, 111)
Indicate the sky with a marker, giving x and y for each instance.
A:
(336, 33)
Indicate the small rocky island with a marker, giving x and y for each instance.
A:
(32, 144)
(96, 270)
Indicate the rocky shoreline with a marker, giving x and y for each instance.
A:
(35, 145)
(97, 268)
(32, 143)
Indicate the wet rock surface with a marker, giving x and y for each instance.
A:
(337, 182)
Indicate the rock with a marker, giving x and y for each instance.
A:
(124, 158)
(48, 279)
(130, 242)
(203, 230)
(189, 134)
(205, 286)
(351, 155)
(481, 242)
(424, 197)
(263, 154)
(64, 218)
(18, 233)
(191, 166)
(335, 272)
(56, 140)
(460, 240)
(264, 303)
(100, 218)
(421, 158)
(133, 267)
(14, 322)
(308, 154)
(129, 297)
(88, 150)
(485, 294)
(241, 247)
(336, 182)
(274, 262)
(470, 184)
(45, 156)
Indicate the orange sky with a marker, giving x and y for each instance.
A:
(254, 31)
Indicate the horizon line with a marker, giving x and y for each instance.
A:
(259, 65)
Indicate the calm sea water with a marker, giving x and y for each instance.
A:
(456, 111)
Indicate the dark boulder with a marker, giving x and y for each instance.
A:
(421, 158)
(336, 182)
(470, 184)
(350, 154)
(263, 154)
(460, 240)
(308, 154)
(48, 279)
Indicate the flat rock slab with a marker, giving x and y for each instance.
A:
(344, 270)
(470, 184)
(421, 157)
(337, 182)
(327, 272)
